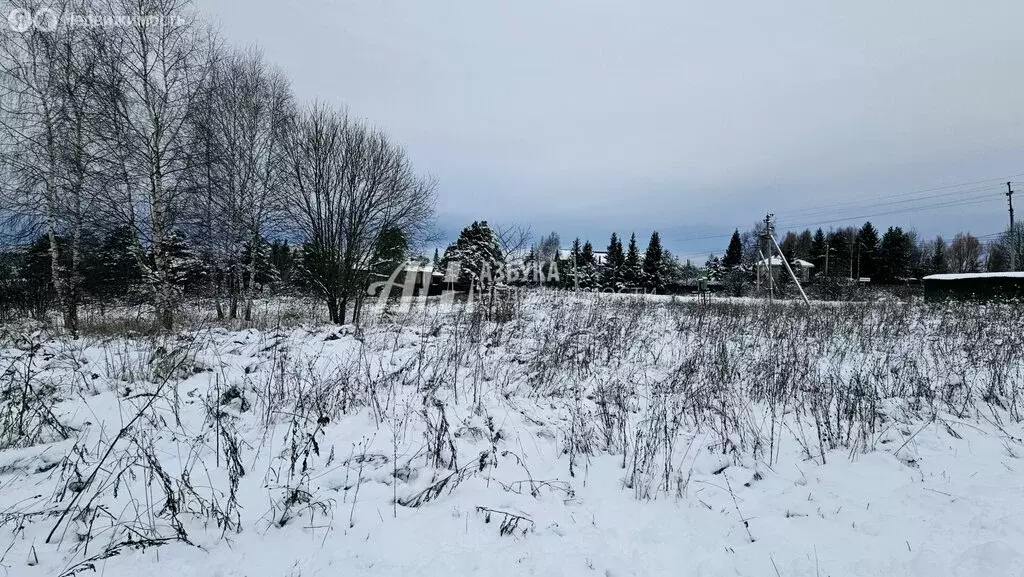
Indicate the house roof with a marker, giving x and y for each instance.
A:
(777, 261)
(975, 275)
(771, 261)
(566, 254)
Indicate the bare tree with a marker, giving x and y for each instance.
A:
(350, 189)
(156, 70)
(964, 255)
(49, 116)
(240, 131)
(547, 247)
(514, 239)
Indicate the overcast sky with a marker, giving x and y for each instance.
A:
(692, 118)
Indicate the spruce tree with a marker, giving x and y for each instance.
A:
(805, 245)
(818, 248)
(266, 272)
(867, 250)
(587, 254)
(37, 278)
(184, 267)
(633, 270)
(998, 258)
(575, 264)
(282, 257)
(389, 253)
(713, 268)
(789, 246)
(653, 272)
(734, 254)
(588, 268)
(475, 256)
(894, 256)
(939, 265)
(614, 263)
(119, 268)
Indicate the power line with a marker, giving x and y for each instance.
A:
(967, 194)
(865, 204)
(948, 204)
(990, 182)
(986, 191)
(1013, 250)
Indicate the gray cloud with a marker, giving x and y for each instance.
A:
(587, 116)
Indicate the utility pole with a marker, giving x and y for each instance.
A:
(575, 271)
(768, 240)
(789, 269)
(827, 249)
(1013, 237)
(853, 247)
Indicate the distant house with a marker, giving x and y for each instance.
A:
(565, 254)
(425, 275)
(974, 286)
(769, 266)
(801, 268)
(420, 279)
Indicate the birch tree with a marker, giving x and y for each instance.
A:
(49, 117)
(245, 113)
(157, 68)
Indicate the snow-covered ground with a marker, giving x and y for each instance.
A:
(584, 436)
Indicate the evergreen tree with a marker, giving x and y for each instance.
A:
(867, 250)
(789, 246)
(713, 268)
(121, 271)
(998, 258)
(653, 265)
(185, 269)
(266, 272)
(475, 256)
(587, 254)
(390, 253)
(575, 263)
(894, 256)
(437, 259)
(531, 257)
(633, 271)
(589, 277)
(734, 254)
(842, 251)
(552, 271)
(1014, 244)
(90, 264)
(672, 270)
(818, 248)
(615, 262)
(37, 279)
(939, 264)
(282, 257)
(805, 245)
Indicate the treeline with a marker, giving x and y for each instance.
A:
(154, 153)
(484, 255)
(886, 258)
(109, 272)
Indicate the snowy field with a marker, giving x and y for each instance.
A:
(598, 435)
